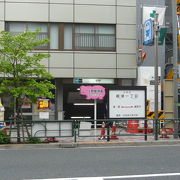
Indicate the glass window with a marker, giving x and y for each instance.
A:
(84, 37)
(34, 26)
(17, 28)
(68, 36)
(54, 36)
(105, 35)
(43, 33)
(95, 37)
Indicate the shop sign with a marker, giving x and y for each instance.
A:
(43, 103)
(127, 104)
(43, 115)
(93, 92)
(148, 32)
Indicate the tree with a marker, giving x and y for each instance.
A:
(21, 73)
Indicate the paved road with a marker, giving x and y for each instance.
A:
(90, 162)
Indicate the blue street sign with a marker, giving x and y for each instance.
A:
(77, 81)
(148, 32)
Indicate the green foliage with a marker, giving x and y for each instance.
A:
(4, 138)
(22, 74)
(20, 67)
(34, 140)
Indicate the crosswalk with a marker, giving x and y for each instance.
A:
(119, 177)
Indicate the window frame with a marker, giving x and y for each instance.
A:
(61, 36)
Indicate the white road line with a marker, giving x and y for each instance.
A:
(115, 177)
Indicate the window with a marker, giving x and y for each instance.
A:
(17, 28)
(70, 37)
(54, 36)
(94, 37)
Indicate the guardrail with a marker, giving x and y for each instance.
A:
(84, 130)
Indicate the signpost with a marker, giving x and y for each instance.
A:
(93, 92)
(127, 102)
(151, 36)
(43, 106)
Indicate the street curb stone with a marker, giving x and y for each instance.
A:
(83, 144)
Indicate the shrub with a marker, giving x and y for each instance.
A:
(4, 138)
(34, 140)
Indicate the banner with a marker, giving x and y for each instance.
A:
(148, 12)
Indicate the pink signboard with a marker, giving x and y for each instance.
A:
(93, 92)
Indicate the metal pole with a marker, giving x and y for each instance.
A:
(175, 62)
(95, 114)
(156, 63)
(95, 118)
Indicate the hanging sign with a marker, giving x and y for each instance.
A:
(93, 92)
(148, 32)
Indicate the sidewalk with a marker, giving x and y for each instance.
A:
(124, 139)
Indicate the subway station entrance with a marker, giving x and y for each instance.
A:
(76, 106)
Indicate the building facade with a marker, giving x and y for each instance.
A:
(91, 41)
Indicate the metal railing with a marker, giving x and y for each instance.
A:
(84, 130)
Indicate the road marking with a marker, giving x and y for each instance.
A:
(115, 177)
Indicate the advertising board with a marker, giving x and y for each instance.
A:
(127, 102)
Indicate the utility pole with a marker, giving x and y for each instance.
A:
(156, 78)
(175, 62)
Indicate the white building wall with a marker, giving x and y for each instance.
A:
(1, 25)
(26, 11)
(61, 13)
(2, 11)
(87, 64)
(126, 3)
(95, 14)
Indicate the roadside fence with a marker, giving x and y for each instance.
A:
(104, 130)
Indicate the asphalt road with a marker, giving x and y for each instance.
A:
(90, 162)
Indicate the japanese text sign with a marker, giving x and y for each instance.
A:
(43, 104)
(93, 92)
(127, 104)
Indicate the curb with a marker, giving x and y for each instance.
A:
(128, 143)
(85, 144)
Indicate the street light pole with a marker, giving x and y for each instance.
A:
(156, 78)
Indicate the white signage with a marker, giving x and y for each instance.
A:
(145, 77)
(147, 11)
(127, 104)
(43, 115)
(93, 81)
